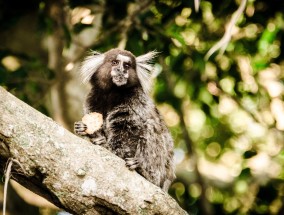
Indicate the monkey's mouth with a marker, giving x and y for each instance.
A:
(119, 80)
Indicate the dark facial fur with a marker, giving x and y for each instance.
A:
(117, 70)
(133, 129)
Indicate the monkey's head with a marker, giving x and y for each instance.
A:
(119, 68)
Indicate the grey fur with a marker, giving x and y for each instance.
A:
(132, 129)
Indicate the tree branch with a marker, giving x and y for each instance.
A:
(72, 173)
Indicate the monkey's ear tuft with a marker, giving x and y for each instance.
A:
(90, 65)
(145, 69)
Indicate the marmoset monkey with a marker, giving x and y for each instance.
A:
(133, 129)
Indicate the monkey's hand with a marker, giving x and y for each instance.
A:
(132, 163)
(80, 128)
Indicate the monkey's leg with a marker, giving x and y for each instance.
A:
(143, 167)
(146, 172)
(134, 162)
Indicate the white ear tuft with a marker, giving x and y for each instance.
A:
(90, 65)
(145, 69)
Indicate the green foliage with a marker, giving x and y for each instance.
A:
(226, 114)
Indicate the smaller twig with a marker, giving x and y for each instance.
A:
(196, 5)
(7, 178)
(7, 174)
(223, 43)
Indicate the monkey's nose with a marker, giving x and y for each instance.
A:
(120, 70)
(120, 67)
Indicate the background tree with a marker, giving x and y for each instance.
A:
(226, 113)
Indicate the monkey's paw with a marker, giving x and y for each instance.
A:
(80, 128)
(98, 140)
(132, 163)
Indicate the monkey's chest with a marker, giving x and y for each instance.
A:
(124, 134)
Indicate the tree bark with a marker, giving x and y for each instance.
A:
(69, 171)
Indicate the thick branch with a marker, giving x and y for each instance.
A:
(70, 172)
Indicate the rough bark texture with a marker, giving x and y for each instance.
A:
(70, 172)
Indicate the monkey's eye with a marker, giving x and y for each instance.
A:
(127, 65)
(114, 62)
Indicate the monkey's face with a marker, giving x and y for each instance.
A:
(120, 69)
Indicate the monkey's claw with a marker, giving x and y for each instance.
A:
(132, 163)
(80, 128)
